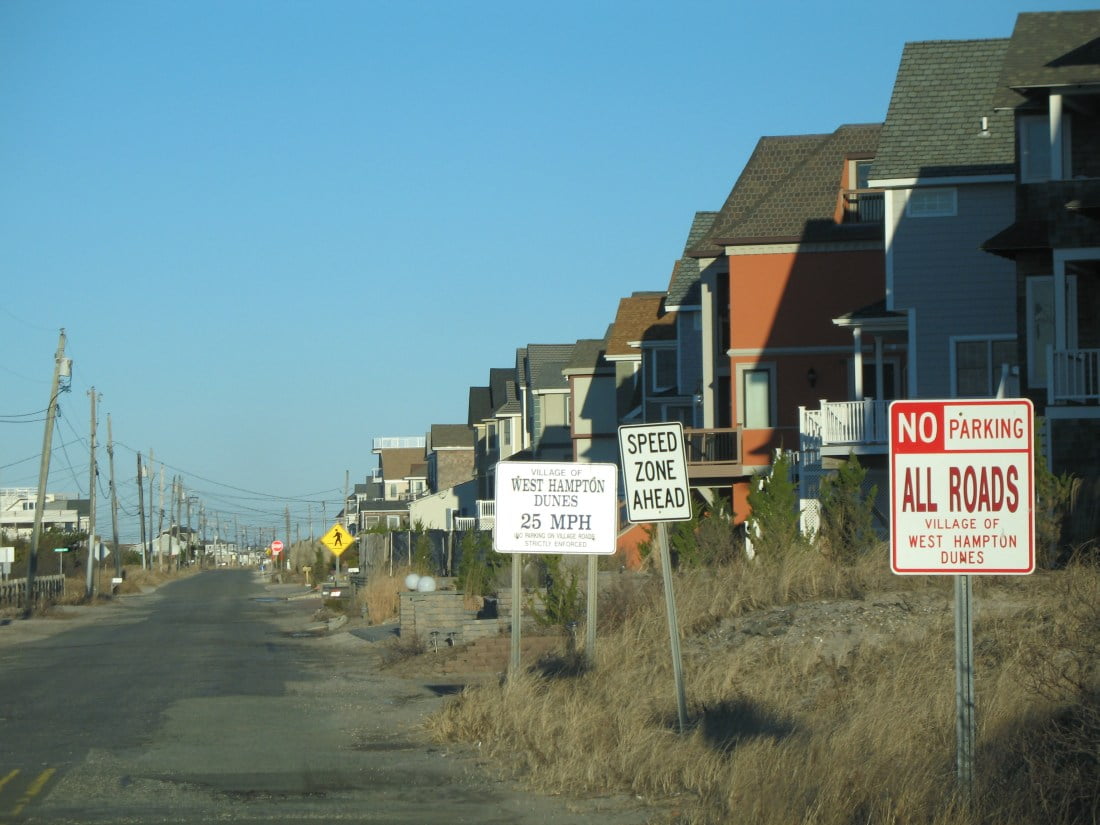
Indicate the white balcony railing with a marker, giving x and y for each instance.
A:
(1073, 375)
(845, 423)
(486, 514)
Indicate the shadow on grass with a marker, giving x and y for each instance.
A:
(728, 724)
(561, 666)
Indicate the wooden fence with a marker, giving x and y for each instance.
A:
(15, 591)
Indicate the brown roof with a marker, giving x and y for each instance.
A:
(788, 191)
(640, 317)
(398, 462)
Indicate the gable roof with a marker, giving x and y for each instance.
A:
(450, 436)
(545, 363)
(683, 287)
(480, 406)
(588, 358)
(399, 462)
(933, 126)
(634, 320)
(1048, 50)
(788, 191)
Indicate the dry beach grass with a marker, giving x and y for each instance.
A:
(817, 693)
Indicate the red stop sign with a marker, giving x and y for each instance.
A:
(276, 547)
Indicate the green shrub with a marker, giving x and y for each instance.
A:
(422, 562)
(847, 513)
(775, 516)
(562, 603)
(478, 563)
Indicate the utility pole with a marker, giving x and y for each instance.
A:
(141, 507)
(160, 518)
(202, 532)
(114, 497)
(173, 520)
(89, 584)
(286, 550)
(62, 369)
(152, 473)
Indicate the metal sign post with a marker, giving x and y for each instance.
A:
(657, 490)
(558, 508)
(962, 492)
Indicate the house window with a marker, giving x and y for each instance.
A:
(506, 433)
(664, 369)
(937, 202)
(393, 491)
(978, 363)
(393, 522)
(757, 385)
(28, 505)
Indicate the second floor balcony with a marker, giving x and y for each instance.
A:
(1073, 376)
(713, 453)
(840, 427)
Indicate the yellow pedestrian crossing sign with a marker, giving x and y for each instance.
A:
(337, 539)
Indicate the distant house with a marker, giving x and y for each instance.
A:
(698, 295)
(635, 315)
(495, 416)
(592, 402)
(450, 451)
(544, 394)
(944, 163)
(803, 239)
(60, 512)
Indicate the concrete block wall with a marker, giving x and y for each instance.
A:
(444, 611)
(492, 655)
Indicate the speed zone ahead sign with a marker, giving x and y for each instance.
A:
(655, 472)
(962, 488)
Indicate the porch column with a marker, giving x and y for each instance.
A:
(710, 344)
(1061, 336)
(1057, 172)
(880, 390)
(857, 361)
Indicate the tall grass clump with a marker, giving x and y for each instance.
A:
(382, 594)
(785, 729)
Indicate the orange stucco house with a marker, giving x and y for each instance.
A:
(802, 236)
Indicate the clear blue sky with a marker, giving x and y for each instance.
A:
(276, 230)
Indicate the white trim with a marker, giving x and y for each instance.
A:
(912, 360)
(1068, 412)
(1065, 327)
(654, 350)
(908, 183)
(802, 248)
(753, 352)
(739, 391)
(890, 227)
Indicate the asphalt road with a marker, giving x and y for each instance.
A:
(201, 703)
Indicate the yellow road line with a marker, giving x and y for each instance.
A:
(34, 790)
(8, 778)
